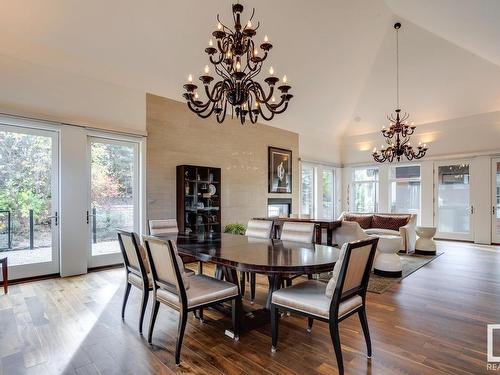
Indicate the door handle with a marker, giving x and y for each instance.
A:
(493, 208)
(55, 217)
(472, 210)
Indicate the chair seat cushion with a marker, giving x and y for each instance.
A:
(136, 280)
(203, 290)
(376, 231)
(309, 297)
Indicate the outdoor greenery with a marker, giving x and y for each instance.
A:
(235, 229)
(25, 182)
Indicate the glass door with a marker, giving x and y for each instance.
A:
(495, 204)
(453, 208)
(29, 235)
(114, 197)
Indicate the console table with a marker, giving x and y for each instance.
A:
(319, 225)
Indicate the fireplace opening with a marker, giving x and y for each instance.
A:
(279, 207)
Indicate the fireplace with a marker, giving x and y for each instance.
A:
(279, 207)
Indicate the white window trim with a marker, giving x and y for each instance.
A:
(354, 182)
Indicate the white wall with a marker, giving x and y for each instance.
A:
(56, 95)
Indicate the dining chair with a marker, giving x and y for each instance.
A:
(343, 296)
(255, 229)
(297, 232)
(166, 227)
(136, 270)
(172, 288)
(5, 275)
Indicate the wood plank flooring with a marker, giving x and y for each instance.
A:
(433, 322)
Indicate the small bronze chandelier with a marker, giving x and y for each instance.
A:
(397, 136)
(237, 61)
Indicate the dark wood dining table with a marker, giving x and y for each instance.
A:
(273, 258)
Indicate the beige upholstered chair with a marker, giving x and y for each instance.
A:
(255, 229)
(259, 228)
(136, 270)
(172, 288)
(297, 232)
(343, 296)
(167, 227)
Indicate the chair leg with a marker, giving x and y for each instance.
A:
(309, 276)
(252, 287)
(242, 283)
(125, 298)
(236, 317)
(366, 331)
(200, 314)
(309, 324)
(152, 320)
(274, 327)
(334, 333)
(144, 303)
(5, 273)
(180, 336)
(200, 268)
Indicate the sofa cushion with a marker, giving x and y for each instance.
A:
(364, 221)
(392, 222)
(381, 231)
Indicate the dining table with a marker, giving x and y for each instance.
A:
(276, 259)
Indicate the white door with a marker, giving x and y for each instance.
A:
(29, 186)
(114, 197)
(452, 200)
(495, 201)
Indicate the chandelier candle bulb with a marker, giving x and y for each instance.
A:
(207, 69)
(271, 70)
(219, 26)
(210, 43)
(190, 78)
(285, 79)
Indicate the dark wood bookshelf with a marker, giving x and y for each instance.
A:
(198, 210)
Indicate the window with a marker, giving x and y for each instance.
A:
(317, 197)
(307, 190)
(328, 188)
(365, 190)
(404, 190)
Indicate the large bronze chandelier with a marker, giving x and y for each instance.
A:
(237, 60)
(397, 135)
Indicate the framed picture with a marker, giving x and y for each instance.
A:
(280, 170)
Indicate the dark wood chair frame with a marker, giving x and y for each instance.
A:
(5, 275)
(338, 297)
(141, 271)
(184, 309)
(250, 276)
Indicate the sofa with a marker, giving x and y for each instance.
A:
(360, 225)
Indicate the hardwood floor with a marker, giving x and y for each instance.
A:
(433, 322)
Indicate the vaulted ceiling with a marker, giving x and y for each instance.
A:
(338, 55)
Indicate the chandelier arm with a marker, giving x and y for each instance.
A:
(222, 115)
(279, 111)
(209, 113)
(264, 115)
(196, 109)
(224, 27)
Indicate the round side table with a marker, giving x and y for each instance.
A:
(425, 244)
(387, 262)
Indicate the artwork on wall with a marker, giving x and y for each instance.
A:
(280, 170)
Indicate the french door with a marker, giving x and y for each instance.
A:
(29, 186)
(452, 199)
(495, 201)
(113, 198)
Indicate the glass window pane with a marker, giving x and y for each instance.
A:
(26, 170)
(328, 188)
(453, 199)
(405, 190)
(365, 190)
(112, 194)
(307, 191)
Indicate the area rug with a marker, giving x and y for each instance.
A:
(410, 263)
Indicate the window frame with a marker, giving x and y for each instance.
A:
(352, 203)
(392, 179)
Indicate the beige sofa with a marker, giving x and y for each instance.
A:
(361, 224)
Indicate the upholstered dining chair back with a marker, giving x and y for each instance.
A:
(259, 228)
(163, 263)
(297, 232)
(356, 267)
(166, 226)
(129, 246)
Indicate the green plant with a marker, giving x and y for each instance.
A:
(235, 229)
